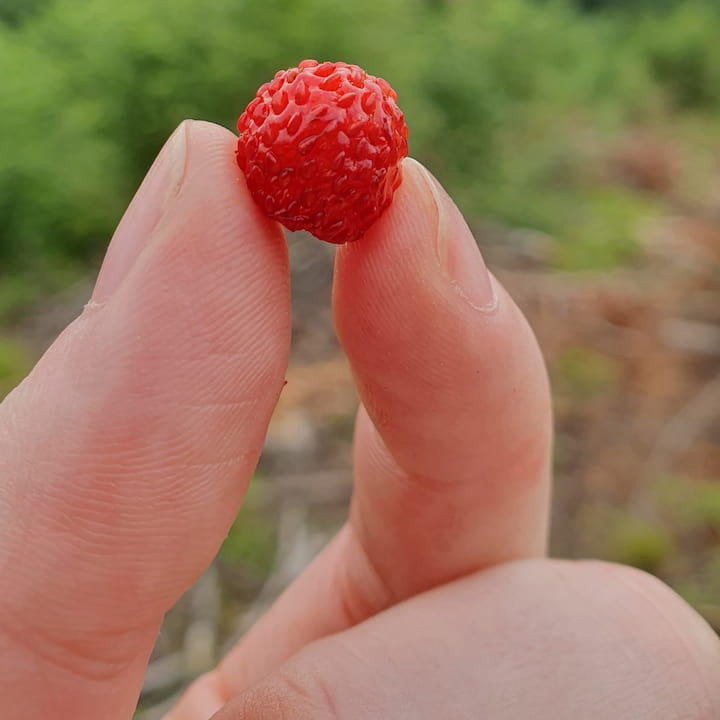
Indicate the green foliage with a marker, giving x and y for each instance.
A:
(583, 374)
(22, 290)
(502, 99)
(639, 538)
(639, 543)
(252, 538)
(683, 54)
(14, 364)
(16, 294)
(690, 509)
(627, 5)
(694, 504)
(13, 12)
(603, 228)
(670, 531)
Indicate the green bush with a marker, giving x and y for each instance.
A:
(683, 53)
(14, 364)
(627, 5)
(639, 543)
(14, 12)
(501, 98)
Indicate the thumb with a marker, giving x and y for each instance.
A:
(548, 640)
(125, 454)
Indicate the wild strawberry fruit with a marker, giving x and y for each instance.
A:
(321, 147)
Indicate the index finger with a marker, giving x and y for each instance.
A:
(125, 455)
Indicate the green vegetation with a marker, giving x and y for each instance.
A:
(581, 374)
(640, 543)
(670, 531)
(14, 365)
(694, 505)
(252, 538)
(507, 100)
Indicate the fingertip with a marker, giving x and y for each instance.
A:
(212, 174)
(398, 248)
(161, 183)
(196, 149)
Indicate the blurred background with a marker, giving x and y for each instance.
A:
(582, 141)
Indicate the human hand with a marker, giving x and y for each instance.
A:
(124, 457)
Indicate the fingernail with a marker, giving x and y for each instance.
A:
(161, 184)
(457, 251)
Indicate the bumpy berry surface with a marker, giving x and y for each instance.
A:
(321, 147)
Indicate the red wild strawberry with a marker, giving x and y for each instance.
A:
(321, 147)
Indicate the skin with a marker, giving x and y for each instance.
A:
(125, 455)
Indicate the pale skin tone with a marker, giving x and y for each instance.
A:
(125, 455)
